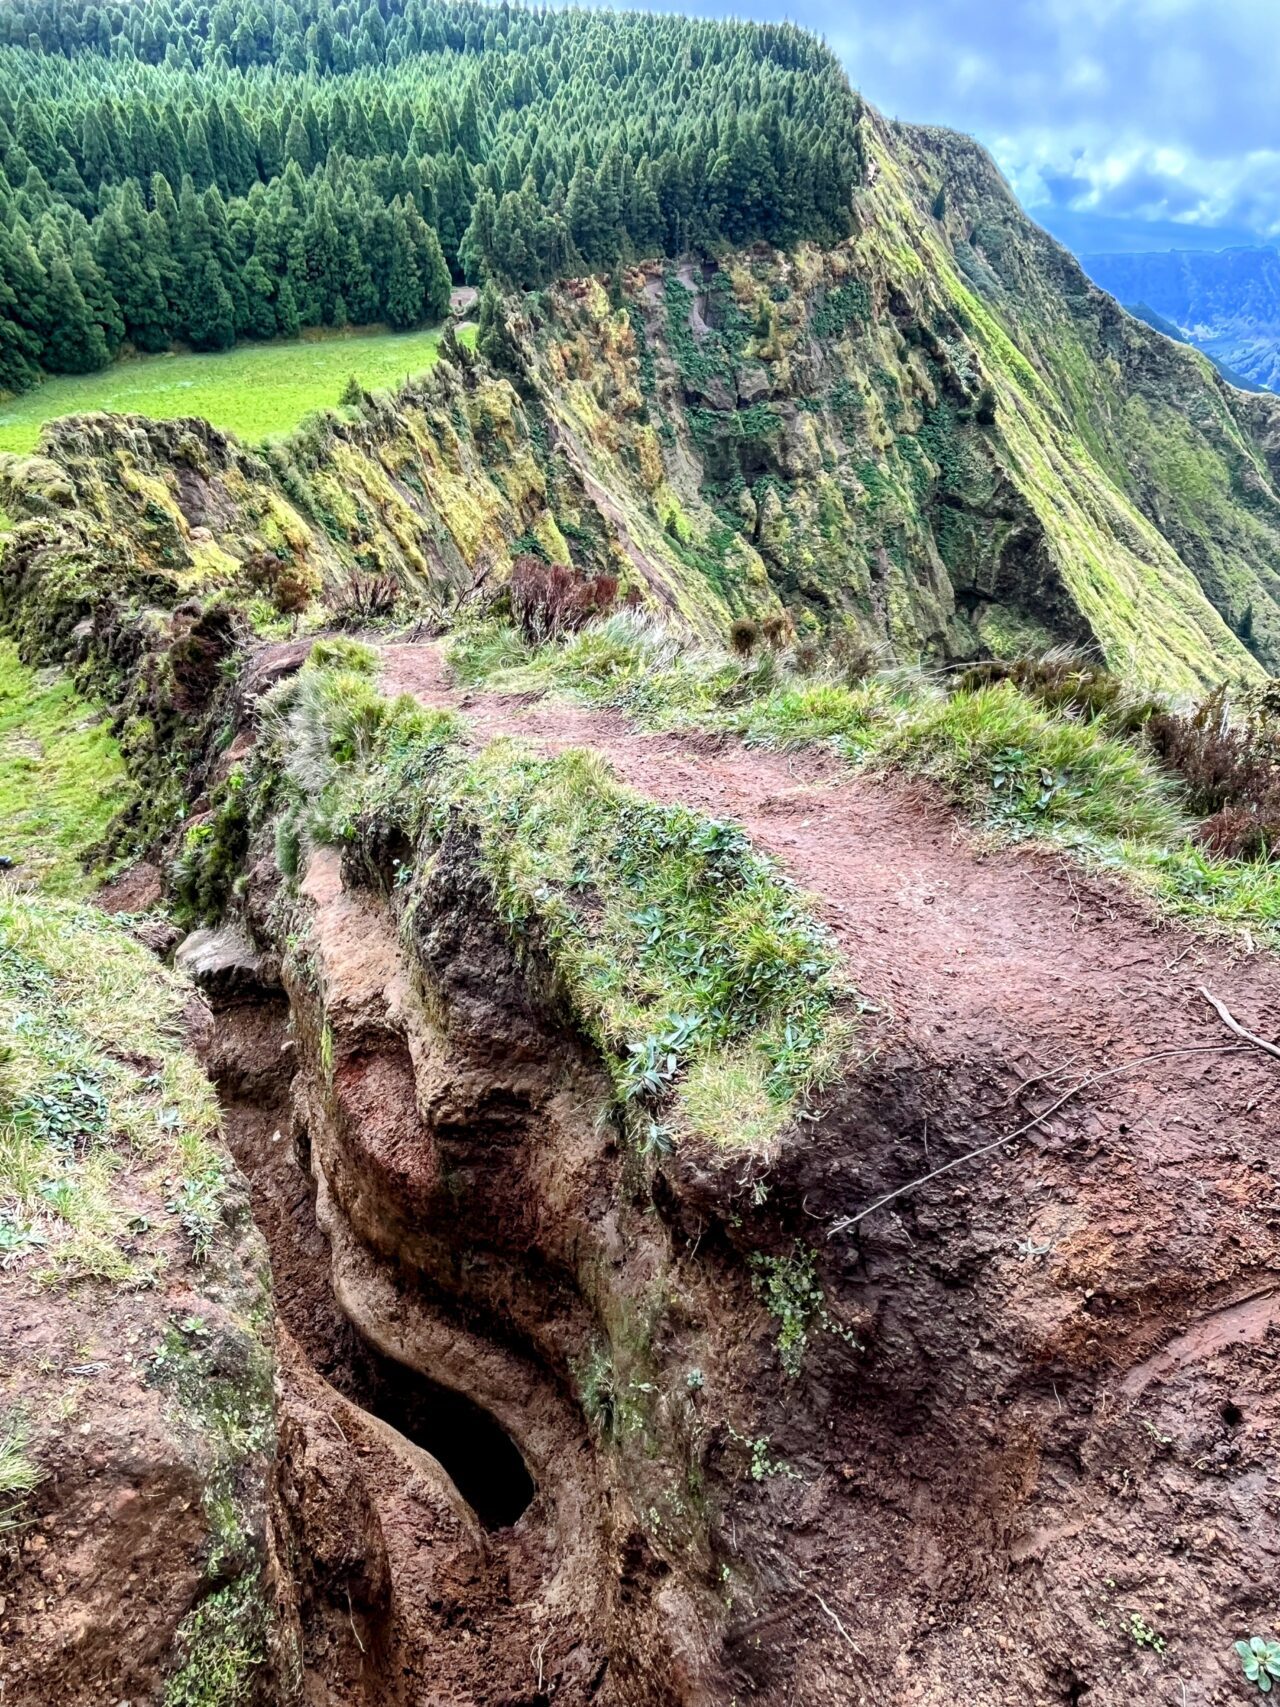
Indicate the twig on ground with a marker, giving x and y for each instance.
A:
(1233, 1024)
(351, 1618)
(1035, 1079)
(1090, 1079)
(839, 1626)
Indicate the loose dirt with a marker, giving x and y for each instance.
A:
(1055, 1477)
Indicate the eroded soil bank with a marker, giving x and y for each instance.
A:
(1028, 1456)
(417, 1539)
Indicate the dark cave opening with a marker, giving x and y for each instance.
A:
(468, 1442)
(250, 1065)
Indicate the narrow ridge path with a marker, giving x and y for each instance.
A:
(957, 942)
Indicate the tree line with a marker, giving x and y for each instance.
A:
(175, 172)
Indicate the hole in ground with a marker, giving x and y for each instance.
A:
(469, 1443)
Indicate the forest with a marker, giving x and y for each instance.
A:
(180, 173)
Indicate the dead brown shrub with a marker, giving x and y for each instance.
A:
(549, 600)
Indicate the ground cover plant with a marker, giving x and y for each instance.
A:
(62, 779)
(1025, 762)
(93, 1083)
(254, 391)
(114, 1185)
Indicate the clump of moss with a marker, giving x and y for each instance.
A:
(222, 1643)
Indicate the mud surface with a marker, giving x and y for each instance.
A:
(1054, 1477)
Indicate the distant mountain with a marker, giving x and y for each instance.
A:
(1226, 303)
(1143, 311)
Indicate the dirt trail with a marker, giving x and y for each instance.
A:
(965, 949)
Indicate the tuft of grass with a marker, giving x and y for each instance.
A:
(1009, 761)
(679, 944)
(1034, 764)
(62, 779)
(629, 660)
(19, 1475)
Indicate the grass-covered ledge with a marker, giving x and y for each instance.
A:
(697, 969)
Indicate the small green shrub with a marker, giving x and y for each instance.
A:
(793, 1295)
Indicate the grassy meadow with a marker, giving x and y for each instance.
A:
(253, 390)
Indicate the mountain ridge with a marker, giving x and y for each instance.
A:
(1226, 302)
(937, 434)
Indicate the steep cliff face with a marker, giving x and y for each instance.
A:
(937, 435)
(1169, 437)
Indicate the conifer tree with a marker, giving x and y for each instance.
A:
(210, 315)
(74, 342)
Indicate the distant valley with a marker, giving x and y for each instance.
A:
(1225, 302)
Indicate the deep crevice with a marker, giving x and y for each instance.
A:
(468, 1442)
(250, 1061)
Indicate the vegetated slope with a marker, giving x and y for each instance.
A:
(1227, 303)
(1144, 312)
(137, 1418)
(935, 434)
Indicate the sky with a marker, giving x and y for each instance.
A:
(1121, 124)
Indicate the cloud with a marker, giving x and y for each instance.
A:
(1157, 109)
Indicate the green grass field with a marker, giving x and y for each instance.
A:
(254, 390)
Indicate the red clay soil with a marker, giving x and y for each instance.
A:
(949, 938)
(1065, 1436)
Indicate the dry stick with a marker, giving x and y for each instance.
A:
(1089, 1080)
(351, 1619)
(1232, 1024)
(839, 1626)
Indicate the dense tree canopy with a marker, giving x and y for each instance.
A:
(180, 171)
